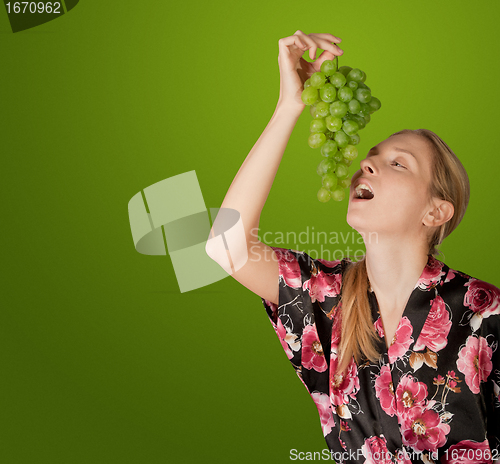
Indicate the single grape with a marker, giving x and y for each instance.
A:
(345, 70)
(333, 123)
(360, 120)
(307, 83)
(323, 195)
(341, 138)
(344, 183)
(363, 95)
(317, 125)
(310, 95)
(347, 162)
(350, 127)
(316, 140)
(362, 85)
(328, 93)
(329, 181)
(337, 157)
(322, 109)
(365, 110)
(353, 85)
(314, 114)
(354, 106)
(345, 94)
(338, 194)
(328, 67)
(342, 171)
(329, 148)
(374, 104)
(326, 165)
(338, 80)
(363, 79)
(367, 118)
(350, 152)
(354, 139)
(338, 109)
(354, 75)
(318, 80)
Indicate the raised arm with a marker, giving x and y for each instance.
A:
(250, 188)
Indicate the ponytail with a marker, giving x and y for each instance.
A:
(358, 334)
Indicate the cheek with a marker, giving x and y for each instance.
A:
(410, 202)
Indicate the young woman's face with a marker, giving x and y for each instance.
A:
(390, 193)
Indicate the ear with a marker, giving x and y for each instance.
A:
(441, 211)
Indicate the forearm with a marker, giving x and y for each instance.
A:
(250, 188)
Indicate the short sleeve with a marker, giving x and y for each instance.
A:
(309, 292)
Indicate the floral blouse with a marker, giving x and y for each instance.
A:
(433, 397)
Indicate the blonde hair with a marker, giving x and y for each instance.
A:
(449, 182)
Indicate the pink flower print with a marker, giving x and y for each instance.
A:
(379, 327)
(343, 386)
(439, 380)
(410, 393)
(344, 426)
(289, 267)
(450, 276)
(468, 452)
(474, 361)
(375, 451)
(422, 429)
(483, 299)
(281, 331)
(325, 411)
(312, 351)
(321, 285)
(431, 274)
(384, 389)
(434, 334)
(288, 340)
(401, 341)
(331, 264)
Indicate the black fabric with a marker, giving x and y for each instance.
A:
(433, 395)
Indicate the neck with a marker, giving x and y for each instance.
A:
(393, 271)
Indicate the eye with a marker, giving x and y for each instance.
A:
(398, 165)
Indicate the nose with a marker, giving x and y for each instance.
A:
(367, 166)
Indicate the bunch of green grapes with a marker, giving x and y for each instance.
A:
(341, 105)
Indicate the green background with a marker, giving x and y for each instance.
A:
(103, 359)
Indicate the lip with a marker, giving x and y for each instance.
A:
(360, 180)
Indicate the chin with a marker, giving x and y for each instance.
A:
(360, 222)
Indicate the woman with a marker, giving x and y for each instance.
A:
(399, 352)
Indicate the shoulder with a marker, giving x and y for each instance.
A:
(480, 300)
(317, 278)
(291, 261)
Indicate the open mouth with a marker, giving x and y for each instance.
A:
(363, 192)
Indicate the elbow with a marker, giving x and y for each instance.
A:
(210, 249)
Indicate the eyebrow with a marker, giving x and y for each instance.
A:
(374, 151)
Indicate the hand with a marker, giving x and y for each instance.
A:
(294, 70)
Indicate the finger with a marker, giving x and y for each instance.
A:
(329, 37)
(326, 45)
(311, 44)
(325, 55)
(292, 40)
